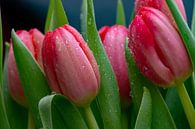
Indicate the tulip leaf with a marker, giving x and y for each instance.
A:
(94, 107)
(4, 124)
(120, 15)
(193, 20)
(17, 115)
(32, 78)
(134, 74)
(83, 17)
(193, 88)
(185, 31)
(131, 17)
(1, 48)
(58, 113)
(108, 97)
(174, 104)
(160, 112)
(144, 117)
(56, 16)
(193, 74)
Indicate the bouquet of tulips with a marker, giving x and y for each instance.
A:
(140, 77)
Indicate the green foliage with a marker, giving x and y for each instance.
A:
(56, 16)
(108, 98)
(58, 113)
(32, 78)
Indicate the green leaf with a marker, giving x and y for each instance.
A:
(190, 87)
(4, 124)
(136, 84)
(58, 113)
(56, 16)
(17, 115)
(132, 15)
(120, 15)
(193, 20)
(193, 88)
(144, 118)
(32, 78)
(83, 17)
(1, 48)
(193, 74)
(176, 109)
(185, 31)
(160, 112)
(108, 98)
(94, 107)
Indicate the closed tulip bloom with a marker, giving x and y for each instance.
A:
(162, 6)
(33, 41)
(70, 65)
(158, 48)
(113, 39)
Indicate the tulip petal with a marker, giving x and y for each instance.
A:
(85, 49)
(76, 77)
(48, 63)
(15, 88)
(165, 43)
(37, 40)
(114, 41)
(162, 6)
(103, 31)
(145, 54)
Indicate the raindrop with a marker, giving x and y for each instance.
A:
(89, 21)
(83, 66)
(145, 68)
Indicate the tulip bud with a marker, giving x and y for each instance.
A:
(158, 49)
(33, 41)
(113, 39)
(162, 6)
(70, 65)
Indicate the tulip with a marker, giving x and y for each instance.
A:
(70, 66)
(33, 41)
(162, 6)
(113, 39)
(158, 49)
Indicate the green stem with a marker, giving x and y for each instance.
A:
(31, 124)
(187, 104)
(89, 117)
(193, 20)
(124, 118)
(193, 87)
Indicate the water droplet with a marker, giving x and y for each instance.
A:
(89, 22)
(83, 66)
(145, 68)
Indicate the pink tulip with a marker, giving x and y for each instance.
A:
(70, 65)
(33, 41)
(158, 48)
(113, 39)
(162, 6)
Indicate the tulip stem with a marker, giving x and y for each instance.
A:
(89, 118)
(31, 124)
(187, 104)
(124, 118)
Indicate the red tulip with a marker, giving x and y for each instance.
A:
(113, 39)
(33, 41)
(70, 65)
(158, 48)
(160, 5)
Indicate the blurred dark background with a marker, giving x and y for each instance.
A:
(26, 14)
